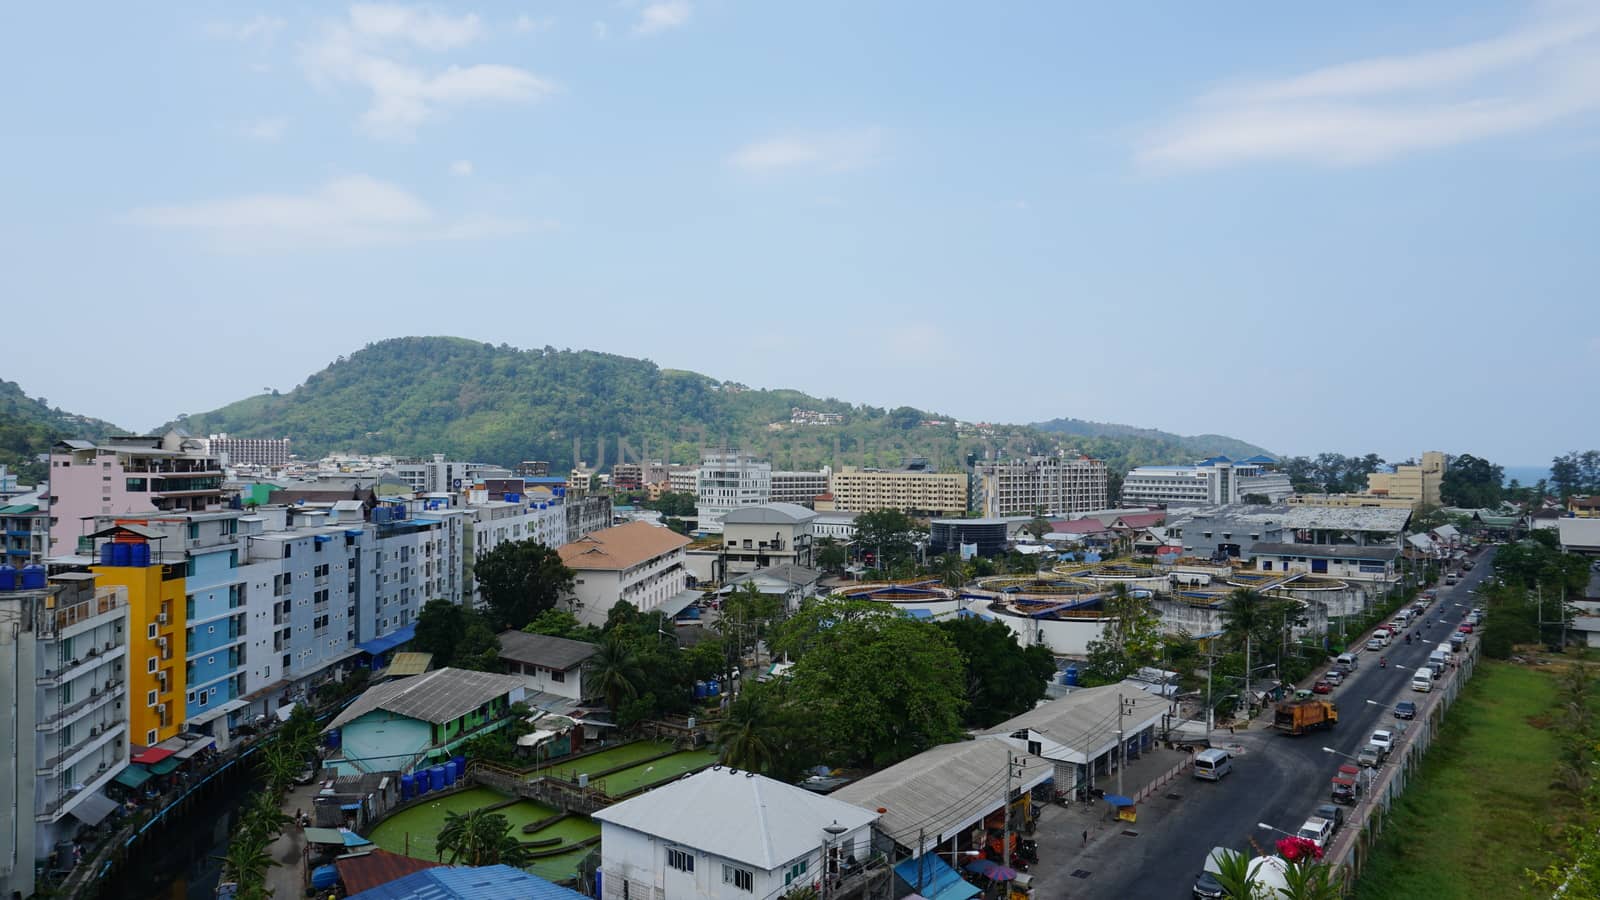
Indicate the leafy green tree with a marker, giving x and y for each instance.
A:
(278, 766)
(520, 580)
(1472, 483)
(480, 838)
(796, 635)
(952, 571)
(1575, 473)
(1038, 527)
(262, 818)
(1003, 678)
(1130, 638)
(246, 860)
(831, 555)
(889, 534)
(880, 689)
(747, 617)
(677, 505)
(613, 672)
(479, 649)
(562, 624)
(441, 627)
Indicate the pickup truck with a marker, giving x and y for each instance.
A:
(1301, 716)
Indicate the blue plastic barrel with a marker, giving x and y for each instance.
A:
(1069, 676)
(713, 689)
(141, 555)
(461, 765)
(408, 786)
(121, 554)
(8, 578)
(106, 551)
(33, 578)
(450, 773)
(436, 778)
(700, 690)
(324, 877)
(424, 783)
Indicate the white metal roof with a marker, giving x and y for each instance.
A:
(741, 816)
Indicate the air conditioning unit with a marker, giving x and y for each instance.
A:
(110, 645)
(162, 618)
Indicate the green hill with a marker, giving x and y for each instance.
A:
(418, 395)
(1196, 446)
(28, 427)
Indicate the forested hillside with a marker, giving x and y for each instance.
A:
(418, 395)
(28, 427)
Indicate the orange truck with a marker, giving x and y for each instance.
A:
(1301, 716)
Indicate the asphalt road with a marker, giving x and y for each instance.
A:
(1276, 779)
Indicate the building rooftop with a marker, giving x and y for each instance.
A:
(621, 547)
(1576, 533)
(741, 816)
(544, 650)
(438, 697)
(1342, 518)
(936, 791)
(769, 514)
(469, 883)
(1078, 720)
(1326, 551)
(788, 574)
(379, 867)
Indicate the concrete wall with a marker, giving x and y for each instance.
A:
(382, 741)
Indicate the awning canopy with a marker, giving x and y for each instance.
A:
(196, 747)
(133, 776)
(678, 602)
(152, 755)
(388, 642)
(217, 712)
(932, 877)
(284, 712)
(324, 836)
(166, 766)
(93, 809)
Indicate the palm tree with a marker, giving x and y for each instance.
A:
(246, 861)
(1310, 880)
(262, 818)
(278, 767)
(748, 736)
(1242, 616)
(952, 571)
(1233, 873)
(614, 671)
(481, 838)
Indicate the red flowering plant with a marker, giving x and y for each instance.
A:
(1298, 849)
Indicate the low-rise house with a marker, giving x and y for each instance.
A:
(792, 583)
(723, 833)
(1070, 732)
(771, 534)
(551, 665)
(406, 723)
(1339, 561)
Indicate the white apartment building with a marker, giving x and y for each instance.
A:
(729, 479)
(772, 534)
(238, 451)
(800, 488)
(840, 526)
(636, 562)
(1212, 481)
(1047, 485)
(918, 491)
(493, 523)
(63, 713)
(439, 475)
(683, 479)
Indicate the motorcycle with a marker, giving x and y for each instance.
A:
(1383, 662)
(1408, 638)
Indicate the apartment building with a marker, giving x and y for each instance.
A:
(1047, 485)
(1210, 481)
(500, 522)
(127, 476)
(627, 476)
(439, 475)
(683, 479)
(63, 712)
(800, 488)
(636, 562)
(1419, 483)
(772, 534)
(915, 489)
(729, 479)
(238, 451)
(586, 515)
(25, 525)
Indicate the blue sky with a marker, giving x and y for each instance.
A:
(1353, 228)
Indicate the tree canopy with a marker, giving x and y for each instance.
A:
(888, 533)
(520, 580)
(1472, 483)
(1002, 677)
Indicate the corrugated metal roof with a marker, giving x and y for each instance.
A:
(469, 883)
(544, 650)
(408, 664)
(737, 815)
(370, 870)
(1322, 551)
(1085, 721)
(940, 790)
(437, 697)
(768, 514)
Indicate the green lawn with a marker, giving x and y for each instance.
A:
(1475, 818)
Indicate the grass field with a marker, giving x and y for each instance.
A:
(1475, 819)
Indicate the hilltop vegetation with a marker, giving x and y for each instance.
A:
(1163, 447)
(29, 426)
(419, 395)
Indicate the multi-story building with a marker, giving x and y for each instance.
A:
(533, 468)
(25, 522)
(1419, 483)
(1040, 485)
(637, 562)
(683, 479)
(586, 515)
(772, 534)
(500, 522)
(128, 475)
(439, 475)
(63, 712)
(729, 479)
(799, 488)
(238, 451)
(1211, 481)
(627, 476)
(914, 488)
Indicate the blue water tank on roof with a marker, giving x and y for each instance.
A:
(121, 554)
(408, 786)
(140, 555)
(107, 551)
(33, 578)
(1069, 676)
(8, 578)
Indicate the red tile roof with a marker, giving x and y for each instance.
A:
(1140, 520)
(360, 873)
(1087, 525)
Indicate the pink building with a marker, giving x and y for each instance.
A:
(127, 474)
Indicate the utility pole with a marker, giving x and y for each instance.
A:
(1211, 664)
(1013, 770)
(1122, 744)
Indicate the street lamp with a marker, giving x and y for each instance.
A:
(1400, 725)
(831, 833)
(1267, 827)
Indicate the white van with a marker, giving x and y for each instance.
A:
(1212, 764)
(1422, 680)
(1447, 650)
(1404, 615)
(1348, 660)
(1382, 634)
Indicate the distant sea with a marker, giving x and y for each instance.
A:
(1528, 475)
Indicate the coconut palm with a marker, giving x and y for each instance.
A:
(1243, 614)
(614, 671)
(1233, 873)
(480, 838)
(246, 861)
(262, 817)
(952, 570)
(749, 735)
(1310, 881)
(278, 767)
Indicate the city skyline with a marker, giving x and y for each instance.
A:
(1352, 230)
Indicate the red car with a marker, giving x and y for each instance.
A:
(1465, 629)
(1322, 687)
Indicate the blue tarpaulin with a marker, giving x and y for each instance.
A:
(919, 613)
(1118, 800)
(933, 878)
(388, 642)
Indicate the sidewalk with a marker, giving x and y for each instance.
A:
(288, 876)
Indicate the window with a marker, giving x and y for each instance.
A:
(739, 878)
(796, 872)
(204, 697)
(557, 675)
(150, 698)
(682, 860)
(150, 631)
(150, 664)
(151, 738)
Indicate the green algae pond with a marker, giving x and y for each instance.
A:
(655, 772)
(595, 763)
(412, 831)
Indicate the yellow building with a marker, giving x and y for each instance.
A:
(156, 648)
(907, 490)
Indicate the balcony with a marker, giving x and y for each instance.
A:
(66, 621)
(78, 667)
(97, 697)
(57, 765)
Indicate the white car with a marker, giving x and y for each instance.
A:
(1383, 739)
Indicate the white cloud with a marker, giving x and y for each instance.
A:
(1369, 110)
(260, 28)
(662, 15)
(270, 128)
(832, 152)
(461, 168)
(352, 211)
(527, 24)
(419, 26)
(369, 51)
